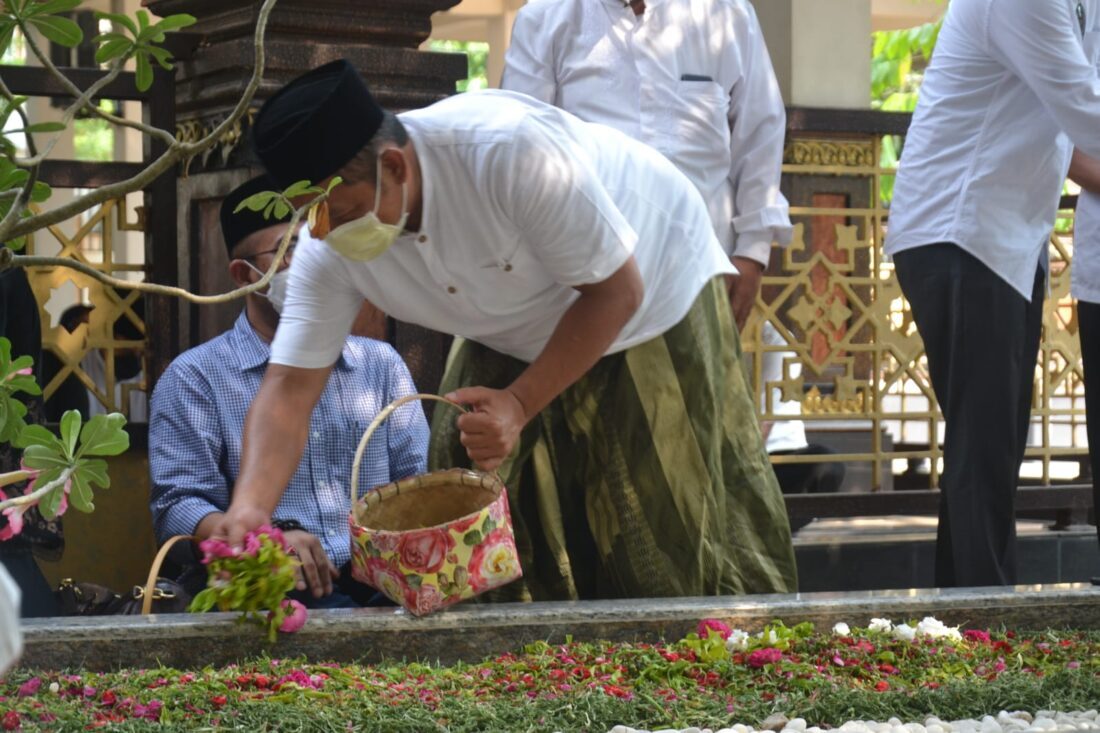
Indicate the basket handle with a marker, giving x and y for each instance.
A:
(378, 420)
(154, 571)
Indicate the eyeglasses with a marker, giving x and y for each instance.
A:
(286, 258)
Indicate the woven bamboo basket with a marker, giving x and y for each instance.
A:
(430, 541)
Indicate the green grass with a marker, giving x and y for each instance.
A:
(824, 678)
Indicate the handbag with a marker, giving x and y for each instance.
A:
(158, 595)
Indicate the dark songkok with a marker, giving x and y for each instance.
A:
(236, 227)
(315, 124)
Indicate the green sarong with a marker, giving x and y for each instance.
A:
(648, 477)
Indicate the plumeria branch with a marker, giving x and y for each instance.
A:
(10, 259)
(14, 477)
(84, 98)
(176, 152)
(23, 197)
(37, 495)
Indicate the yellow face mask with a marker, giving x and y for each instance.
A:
(368, 237)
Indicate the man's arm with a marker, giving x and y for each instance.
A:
(529, 61)
(1085, 172)
(583, 334)
(321, 305)
(185, 451)
(562, 210)
(275, 434)
(1040, 41)
(758, 125)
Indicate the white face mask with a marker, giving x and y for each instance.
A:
(276, 289)
(368, 237)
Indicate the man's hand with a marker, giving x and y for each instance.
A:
(237, 522)
(492, 428)
(743, 288)
(316, 572)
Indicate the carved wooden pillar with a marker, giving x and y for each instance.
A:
(381, 37)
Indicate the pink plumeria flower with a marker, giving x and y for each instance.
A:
(216, 549)
(14, 515)
(295, 619)
(21, 373)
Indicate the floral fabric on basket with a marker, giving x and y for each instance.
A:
(425, 570)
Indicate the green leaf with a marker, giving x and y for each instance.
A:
(7, 32)
(144, 76)
(70, 430)
(44, 457)
(51, 502)
(143, 20)
(336, 181)
(46, 127)
(53, 7)
(24, 383)
(256, 202)
(41, 192)
(103, 435)
(61, 31)
(113, 49)
(281, 209)
(175, 22)
(472, 538)
(37, 435)
(300, 188)
(162, 56)
(119, 19)
(94, 471)
(81, 493)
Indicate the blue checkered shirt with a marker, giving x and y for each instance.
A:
(197, 423)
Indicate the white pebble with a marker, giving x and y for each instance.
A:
(934, 728)
(798, 724)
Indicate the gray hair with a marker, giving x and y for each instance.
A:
(363, 167)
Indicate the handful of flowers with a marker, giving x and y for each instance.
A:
(254, 580)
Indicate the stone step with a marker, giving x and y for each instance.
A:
(471, 631)
(868, 553)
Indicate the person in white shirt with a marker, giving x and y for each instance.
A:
(599, 363)
(1012, 85)
(1085, 285)
(787, 437)
(691, 78)
(11, 635)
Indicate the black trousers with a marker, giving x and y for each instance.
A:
(1088, 321)
(982, 339)
(37, 597)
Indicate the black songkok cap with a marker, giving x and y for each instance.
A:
(235, 227)
(315, 124)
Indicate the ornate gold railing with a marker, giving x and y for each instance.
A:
(112, 330)
(853, 357)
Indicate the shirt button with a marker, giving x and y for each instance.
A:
(422, 238)
(452, 289)
(331, 532)
(508, 267)
(316, 433)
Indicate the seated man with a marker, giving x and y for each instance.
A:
(788, 437)
(198, 413)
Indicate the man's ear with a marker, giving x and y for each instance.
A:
(393, 160)
(241, 273)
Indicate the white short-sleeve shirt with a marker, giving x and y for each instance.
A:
(521, 202)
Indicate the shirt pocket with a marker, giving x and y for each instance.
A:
(513, 279)
(704, 105)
